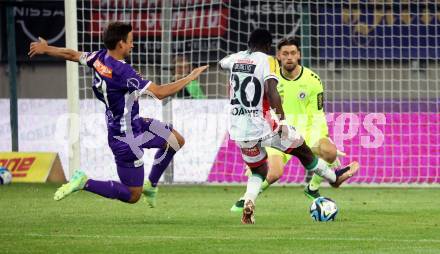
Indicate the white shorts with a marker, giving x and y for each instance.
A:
(254, 152)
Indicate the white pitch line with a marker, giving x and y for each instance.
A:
(170, 237)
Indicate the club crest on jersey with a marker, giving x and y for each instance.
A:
(302, 95)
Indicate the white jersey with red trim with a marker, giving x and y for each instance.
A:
(249, 107)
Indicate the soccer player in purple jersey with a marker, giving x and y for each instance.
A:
(119, 87)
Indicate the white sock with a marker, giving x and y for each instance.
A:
(253, 188)
(322, 169)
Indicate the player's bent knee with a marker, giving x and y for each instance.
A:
(328, 152)
(273, 177)
(135, 196)
(180, 141)
(134, 199)
(276, 168)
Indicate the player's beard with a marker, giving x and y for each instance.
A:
(290, 67)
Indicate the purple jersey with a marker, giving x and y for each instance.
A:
(118, 86)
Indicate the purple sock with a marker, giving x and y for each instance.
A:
(109, 189)
(162, 159)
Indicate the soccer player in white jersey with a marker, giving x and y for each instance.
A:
(253, 92)
(302, 95)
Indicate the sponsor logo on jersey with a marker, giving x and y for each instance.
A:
(244, 68)
(320, 99)
(132, 82)
(246, 61)
(242, 111)
(102, 69)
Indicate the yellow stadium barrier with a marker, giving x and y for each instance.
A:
(33, 167)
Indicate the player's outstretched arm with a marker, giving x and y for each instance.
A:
(274, 97)
(42, 48)
(163, 91)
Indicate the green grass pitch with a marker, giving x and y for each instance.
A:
(196, 219)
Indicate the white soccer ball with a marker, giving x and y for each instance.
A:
(323, 209)
(5, 176)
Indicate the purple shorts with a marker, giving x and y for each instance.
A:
(131, 176)
(128, 151)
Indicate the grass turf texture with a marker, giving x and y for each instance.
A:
(196, 219)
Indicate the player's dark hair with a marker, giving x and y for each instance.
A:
(115, 32)
(288, 42)
(260, 38)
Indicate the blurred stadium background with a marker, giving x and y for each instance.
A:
(378, 60)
